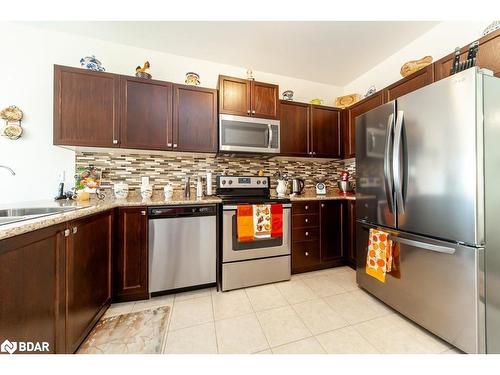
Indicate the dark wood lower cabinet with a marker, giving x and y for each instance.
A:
(350, 234)
(55, 282)
(32, 289)
(317, 235)
(88, 275)
(131, 254)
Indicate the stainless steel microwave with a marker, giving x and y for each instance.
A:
(248, 134)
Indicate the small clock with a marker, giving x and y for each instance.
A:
(320, 188)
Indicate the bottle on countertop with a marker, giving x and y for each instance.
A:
(199, 187)
(209, 183)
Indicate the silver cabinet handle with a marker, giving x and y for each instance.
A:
(115, 141)
(66, 232)
(387, 165)
(307, 253)
(307, 234)
(307, 207)
(248, 111)
(169, 144)
(423, 245)
(396, 162)
(307, 220)
(322, 205)
(175, 145)
(253, 112)
(75, 229)
(143, 213)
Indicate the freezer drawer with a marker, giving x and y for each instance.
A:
(441, 287)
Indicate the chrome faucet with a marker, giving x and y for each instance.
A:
(187, 188)
(9, 169)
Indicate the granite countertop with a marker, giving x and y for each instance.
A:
(82, 209)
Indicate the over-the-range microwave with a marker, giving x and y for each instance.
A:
(248, 134)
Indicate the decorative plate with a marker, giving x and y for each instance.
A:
(11, 113)
(347, 100)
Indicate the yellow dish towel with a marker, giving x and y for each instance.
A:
(379, 256)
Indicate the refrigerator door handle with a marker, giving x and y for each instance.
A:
(396, 162)
(423, 245)
(387, 164)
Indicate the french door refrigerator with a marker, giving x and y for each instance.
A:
(428, 173)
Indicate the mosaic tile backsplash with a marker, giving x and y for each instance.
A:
(130, 167)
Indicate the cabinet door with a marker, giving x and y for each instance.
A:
(147, 114)
(350, 234)
(294, 129)
(349, 133)
(419, 79)
(331, 231)
(195, 119)
(131, 254)
(325, 124)
(86, 107)
(88, 275)
(32, 288)
(234, 96)
(488, 56)
(264, 100)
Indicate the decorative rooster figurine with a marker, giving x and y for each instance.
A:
(143, 69)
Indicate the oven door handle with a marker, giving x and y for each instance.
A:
(234, 207)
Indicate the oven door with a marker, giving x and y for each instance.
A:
(248, 134)
(233, 250)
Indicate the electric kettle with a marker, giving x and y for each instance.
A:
(298, 185)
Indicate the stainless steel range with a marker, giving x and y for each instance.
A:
(260, 260)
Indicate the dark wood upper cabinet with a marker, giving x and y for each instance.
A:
(325, 125)
(147, 114)
(234, 96)
(349, 123)
(488, 57)
(130, 258)
(419, 79)
(88, 275)
(86, 107)
(195, 119)
(32, 287)
(332, 218)
(264, 100)
(294, 128)
(244, 97)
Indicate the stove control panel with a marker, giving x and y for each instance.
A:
(235, 182)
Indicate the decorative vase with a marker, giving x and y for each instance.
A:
(146, 191)
(287, 95)
(281, 188)
(91, 63)
(121, 190)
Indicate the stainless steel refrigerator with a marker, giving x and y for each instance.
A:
(428, 173)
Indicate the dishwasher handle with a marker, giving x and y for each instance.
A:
(181, 211)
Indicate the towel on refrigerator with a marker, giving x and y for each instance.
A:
(379, 257)
(244, 223)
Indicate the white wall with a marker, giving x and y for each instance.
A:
(28, 55)
(437, 42)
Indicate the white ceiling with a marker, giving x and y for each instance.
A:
(333, 52)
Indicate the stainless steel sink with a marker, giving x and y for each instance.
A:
(11, 215)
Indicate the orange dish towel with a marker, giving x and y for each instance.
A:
(244, 223)
(379, 256)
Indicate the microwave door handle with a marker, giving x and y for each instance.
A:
(270, 137)
(387, 165)
(396, 162)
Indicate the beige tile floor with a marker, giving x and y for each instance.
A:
(315, 312)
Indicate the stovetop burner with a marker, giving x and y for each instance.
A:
(246, 189)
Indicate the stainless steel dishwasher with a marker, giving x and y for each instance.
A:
(182, 247)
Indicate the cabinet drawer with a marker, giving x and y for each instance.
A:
(305, 220)
(306, 207)
(305, 254)
(305, 234)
